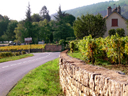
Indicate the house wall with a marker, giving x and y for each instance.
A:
(80, 79)
(121, 23)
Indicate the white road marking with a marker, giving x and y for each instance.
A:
(19, 63)
(27, 61)
(13, 65)
(5, 66)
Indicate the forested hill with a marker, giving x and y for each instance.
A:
(100, 8)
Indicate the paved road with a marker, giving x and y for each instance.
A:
(11, 72)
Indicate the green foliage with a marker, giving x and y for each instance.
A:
(120, 31)
(5, 54)
(36, 18)
(61, 42)
(89, 24)
(3, 25)
(113, 48)
(45, 13)
(73, 45)
(42, 81)
(28, 14)
(88, 48)
(23, 52)
(9, 34)
(62, 31)
(70, 38)
(112, 32)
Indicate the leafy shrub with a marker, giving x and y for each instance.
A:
(61, 42)
(5, 54)
(113, 49)
(16, 53)
(112, 32)
(70, 38)
(23, 52)
(73, 45)
(120, 31)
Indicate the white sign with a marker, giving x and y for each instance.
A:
(28, 40)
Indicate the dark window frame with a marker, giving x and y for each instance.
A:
(114, 22)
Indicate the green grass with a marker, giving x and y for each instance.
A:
(42, 81)
(78, 55)
(15, 57)
(103, 63)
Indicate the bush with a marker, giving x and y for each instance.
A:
(120, 31)
(70, 38)
(74, 45)
(5, 54)
(112, 32)
(16, 53)
(61, 42)
(23, 52)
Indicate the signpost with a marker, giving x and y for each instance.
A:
(28, 40)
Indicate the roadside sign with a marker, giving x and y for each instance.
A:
(28, 40)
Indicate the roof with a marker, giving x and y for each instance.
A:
(117, 13)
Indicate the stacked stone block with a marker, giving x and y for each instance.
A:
(80, 79)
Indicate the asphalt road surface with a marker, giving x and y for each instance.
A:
(13, 71)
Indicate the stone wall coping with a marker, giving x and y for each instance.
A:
(110, 74)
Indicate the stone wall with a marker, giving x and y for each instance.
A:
(80, 79)
(53, 48)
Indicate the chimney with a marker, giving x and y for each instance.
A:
(119, 10)
(109, 11)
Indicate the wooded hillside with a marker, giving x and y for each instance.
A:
(100, 8)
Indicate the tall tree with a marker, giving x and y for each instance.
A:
(36, 18)
(45, 13)
(60, 14)
(28, 14)
(9, 34)
(89, 24)
(19, 30)
(45, 31)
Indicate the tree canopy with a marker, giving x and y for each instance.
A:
(89, 24)
(45, 13)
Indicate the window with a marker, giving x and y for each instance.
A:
(114, 22)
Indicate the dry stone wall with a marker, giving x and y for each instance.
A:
(80, 79)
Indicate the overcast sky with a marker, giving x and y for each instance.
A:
(16, 9)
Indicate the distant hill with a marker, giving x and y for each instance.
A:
(100, 8)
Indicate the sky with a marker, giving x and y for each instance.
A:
(16, 9)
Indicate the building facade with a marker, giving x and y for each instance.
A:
(115, 20)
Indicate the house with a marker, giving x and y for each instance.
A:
(115, 20)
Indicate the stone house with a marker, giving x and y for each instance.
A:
(115, 20)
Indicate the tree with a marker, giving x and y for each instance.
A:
(60, 14)
(62, 31)
(9, 34)
(89, 24)
(19, 30)
(45, 31)
(28, 14)
(36, 18)
(45, 13)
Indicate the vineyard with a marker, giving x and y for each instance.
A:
(113, 49)
(22, 47)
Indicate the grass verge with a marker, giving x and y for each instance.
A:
(15, 57)
(106, 64)
(42, 81)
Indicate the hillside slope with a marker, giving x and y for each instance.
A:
(100, 8)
